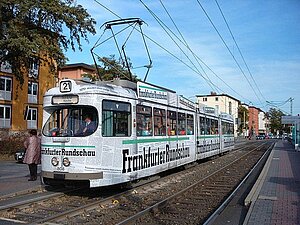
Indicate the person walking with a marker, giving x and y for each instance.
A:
(33, 153)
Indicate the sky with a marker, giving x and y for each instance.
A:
(247, 49)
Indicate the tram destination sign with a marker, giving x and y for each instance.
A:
(64, 99)
(149, 92)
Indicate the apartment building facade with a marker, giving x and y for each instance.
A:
(21, 106)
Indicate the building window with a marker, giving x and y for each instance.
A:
(205, 99)
(5, 116)
(5, 88)
(31, 118)
(34, 68)
(32, 92)
(217, 99)
(5, 67)
(217, 108)
(230, 108)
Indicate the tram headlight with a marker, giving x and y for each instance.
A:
(54, 161)
(66, 162)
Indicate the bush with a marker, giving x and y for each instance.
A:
(11, 142)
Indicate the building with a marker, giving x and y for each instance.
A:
(21, 106)
(263, 123)
(245, 120)
(253, 120)
(223, 103)
(76, 71)
(258, 123)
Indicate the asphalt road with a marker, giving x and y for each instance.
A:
(14, 177)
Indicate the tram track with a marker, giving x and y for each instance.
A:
(193, 204)
(114, 208)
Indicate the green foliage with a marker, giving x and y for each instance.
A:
(34, 29)
(274, 116)
(244, 116)
(111, 69)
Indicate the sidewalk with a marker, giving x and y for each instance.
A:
(277, 199)
(14, 178)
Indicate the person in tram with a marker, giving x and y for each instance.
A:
(88, 127)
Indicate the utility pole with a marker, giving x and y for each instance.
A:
(291, 101)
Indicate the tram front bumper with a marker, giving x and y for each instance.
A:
(72, 176)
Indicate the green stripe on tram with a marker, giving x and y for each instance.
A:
(126, 142)
(69, 146)
(207, 136)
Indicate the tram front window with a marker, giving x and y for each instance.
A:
(71, 122)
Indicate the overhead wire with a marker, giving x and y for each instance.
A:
(210, 20)
(185, 42)
(197, 57)
(246, 65)
(164, 27)
(176, 57)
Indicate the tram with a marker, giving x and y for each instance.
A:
(106, 133)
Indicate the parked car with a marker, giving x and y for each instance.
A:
(260, 137)
(19, 155)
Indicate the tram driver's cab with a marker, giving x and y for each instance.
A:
(75, 121)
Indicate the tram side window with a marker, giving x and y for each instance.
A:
(181, 124)
(214, 126)
(144, 120)
(190, 124)
(172, 123)
(202, 125)
(223, 128)
(231, 129)
(159, 122)
(116, 119)
(208, 126)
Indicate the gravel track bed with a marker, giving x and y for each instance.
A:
(139, 198)
(142, 198)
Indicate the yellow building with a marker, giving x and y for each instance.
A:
(21, 106)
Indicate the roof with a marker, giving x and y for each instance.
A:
(256, 108)
(78, 65)
(217, 95)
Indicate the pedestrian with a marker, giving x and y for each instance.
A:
(33, 153)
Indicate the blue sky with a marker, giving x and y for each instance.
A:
(266, 32)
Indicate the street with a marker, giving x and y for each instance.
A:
(14, 177)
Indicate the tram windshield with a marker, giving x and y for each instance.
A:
(71, 121)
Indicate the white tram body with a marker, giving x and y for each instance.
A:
(139, 130)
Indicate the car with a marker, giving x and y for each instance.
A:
(260, 137)
(19, 155)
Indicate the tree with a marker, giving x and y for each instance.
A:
(244, 116)
(274, 116)
(33, 30)
(111, 68)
